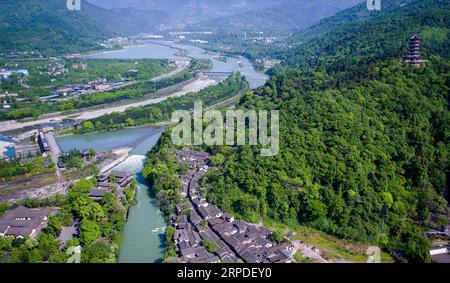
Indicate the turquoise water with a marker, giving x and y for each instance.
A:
(143, 236)
(142, 240)
(133, 137)
(151, 50)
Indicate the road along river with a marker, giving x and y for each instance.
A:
(162, 50)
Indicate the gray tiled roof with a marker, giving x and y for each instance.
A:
(98, 192)
(21, 221)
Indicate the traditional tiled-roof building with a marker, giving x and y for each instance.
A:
(21, 222)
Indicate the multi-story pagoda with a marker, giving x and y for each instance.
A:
(413, 55)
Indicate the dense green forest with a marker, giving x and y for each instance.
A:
(364, 139)
(161, 170)
(49, 27)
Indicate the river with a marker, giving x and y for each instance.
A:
(156, 50)
(143, 236)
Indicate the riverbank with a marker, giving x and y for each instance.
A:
(122, 153)
(141, 236)
(193, 85)
(143, 51)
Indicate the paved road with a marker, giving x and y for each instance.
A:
(308, 252)
(194, 86)
(56, 153)
(14, 125)
(179, 69)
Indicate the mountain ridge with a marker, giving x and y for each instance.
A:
(48, 26)
(237, 14)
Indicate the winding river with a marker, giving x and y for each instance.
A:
(169, 50)
(143, 236)
(142, 239)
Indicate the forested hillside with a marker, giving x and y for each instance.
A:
(189, 11)
(46, 26)
(358, 43)
(358, 13)
(364, 139)
(49, 27)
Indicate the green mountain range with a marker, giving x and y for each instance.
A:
(280, 15)
(235, 15)
(48, 26)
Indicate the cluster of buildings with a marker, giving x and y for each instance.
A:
(55, 69)
(25, 149)
(22, 222)
(22, 54)
(6, 74)
(180, 62)
(106, 183)
(197, 220)
(97, 85)
(81, 66)
(182, 34)
(266, 39)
